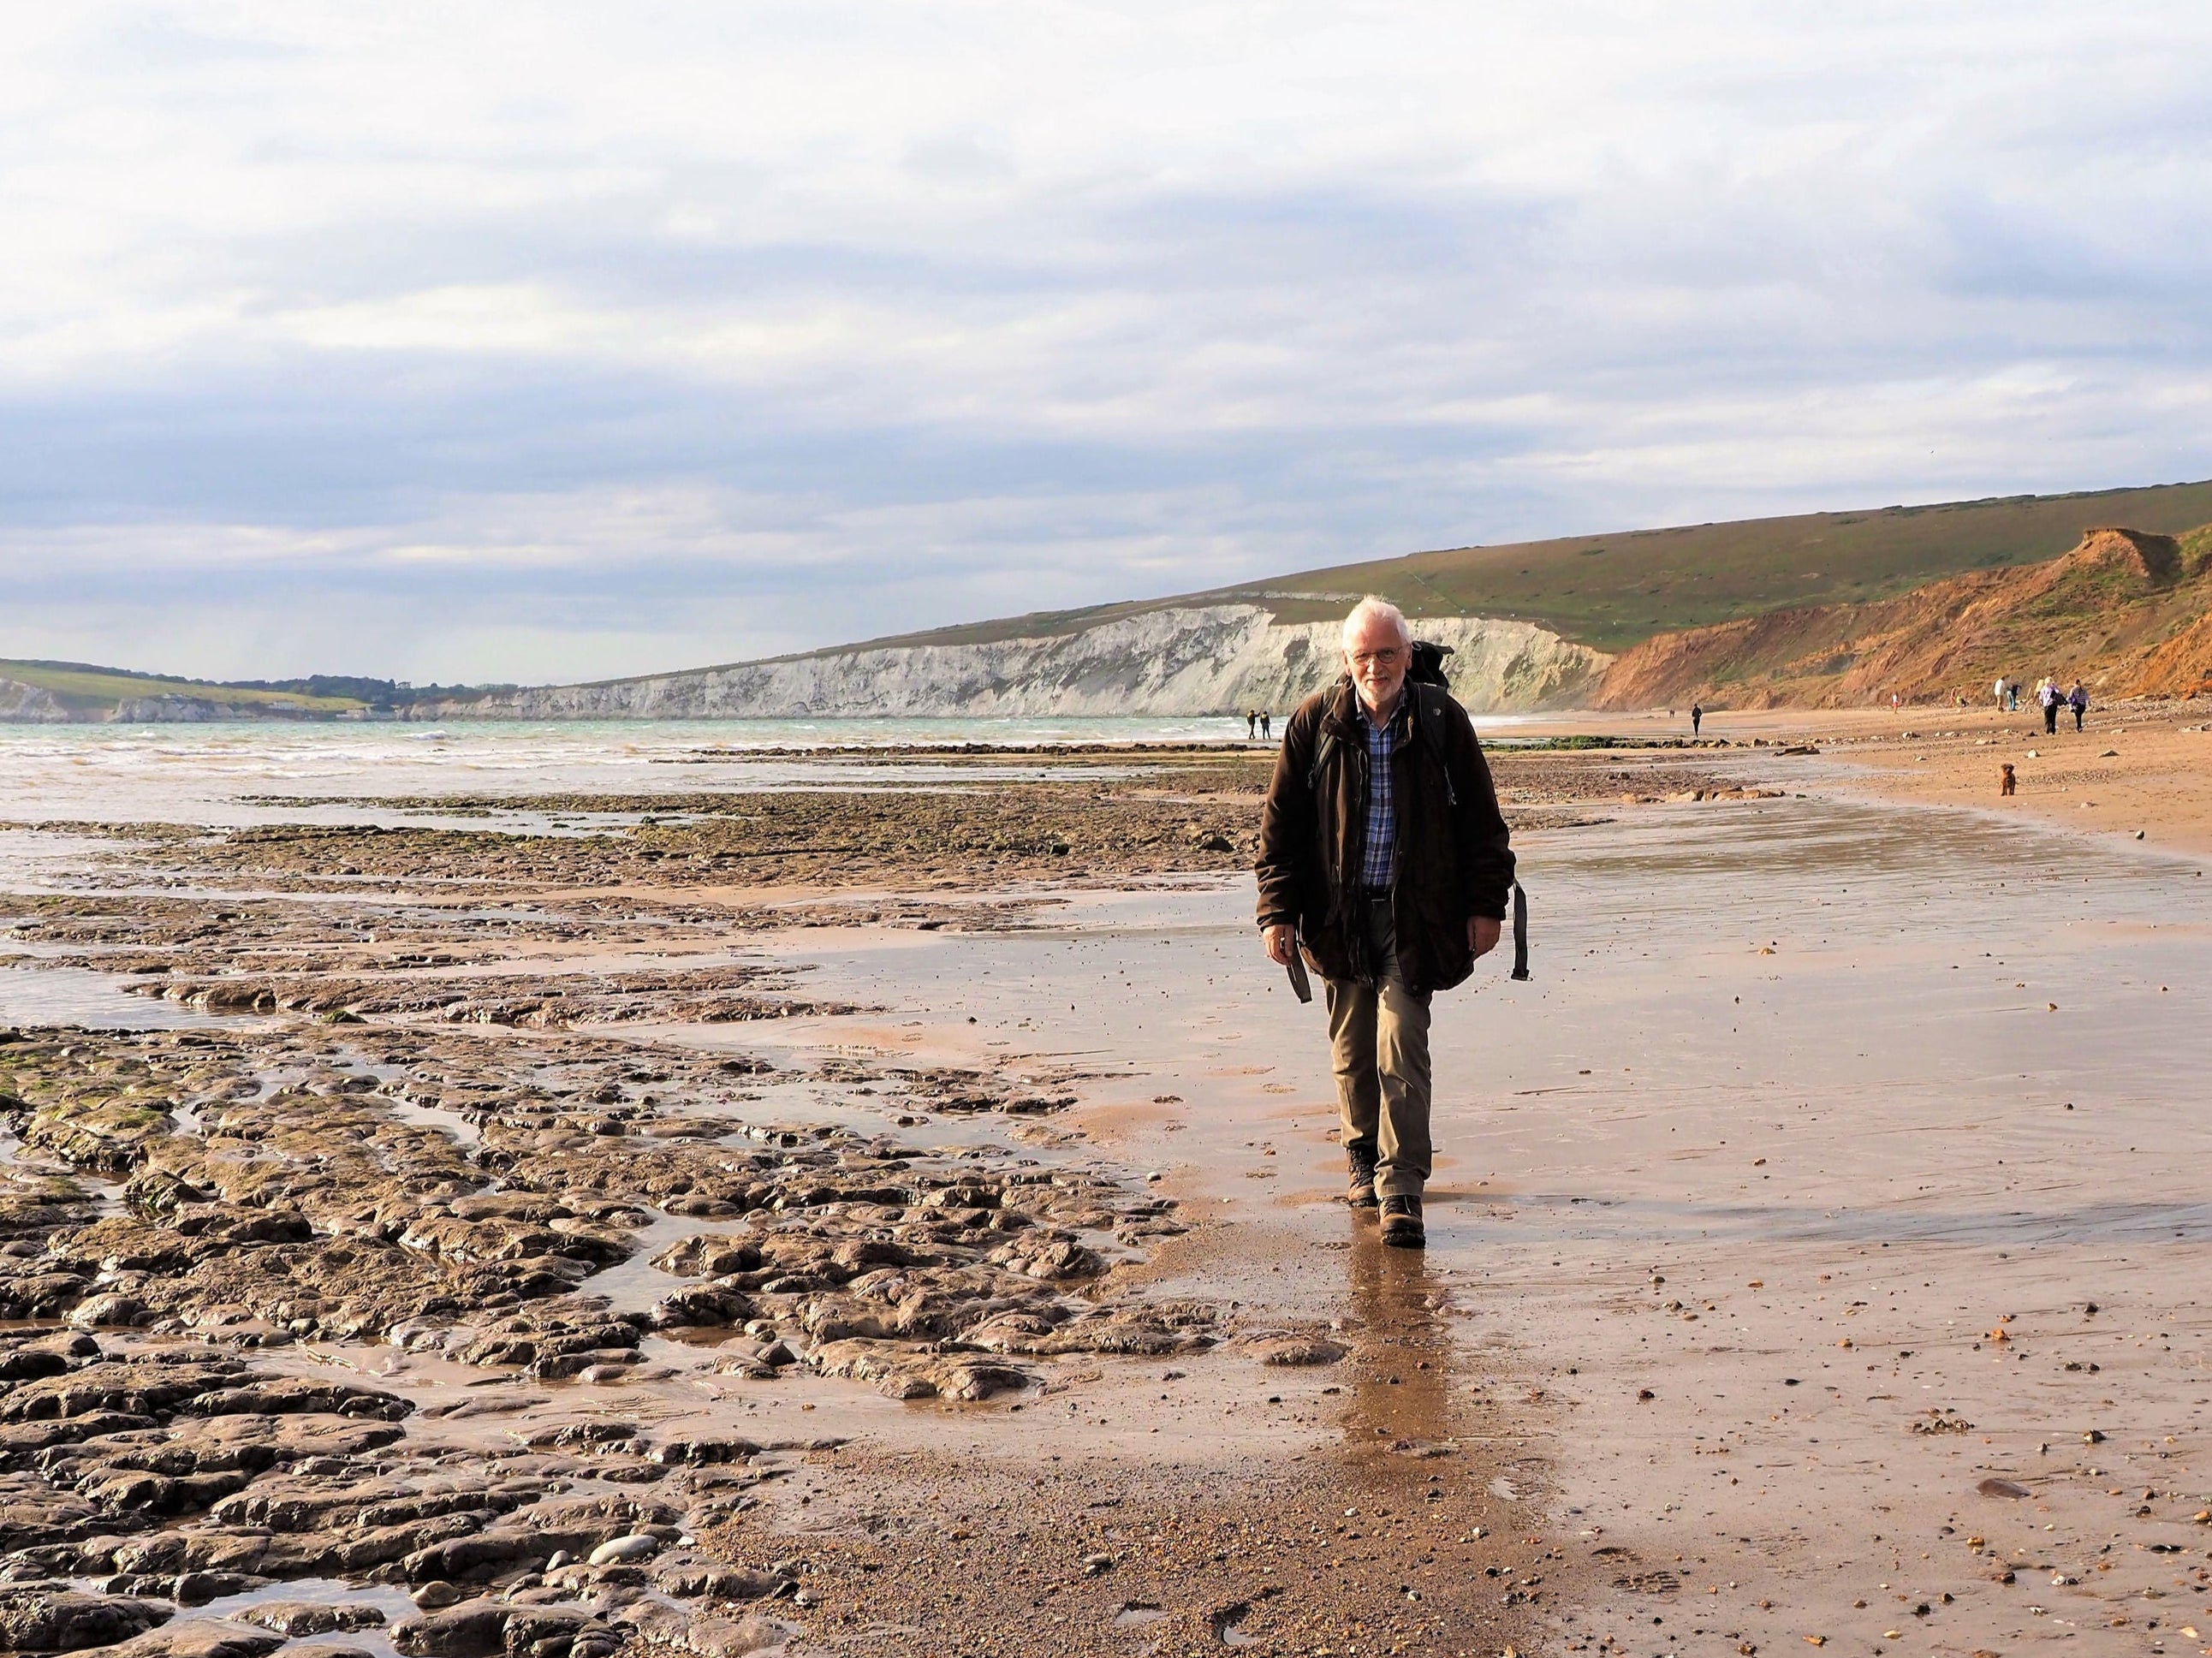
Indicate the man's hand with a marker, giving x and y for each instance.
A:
(1282, 938)
(1482, 935)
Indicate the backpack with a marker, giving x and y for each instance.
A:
(1428, 669)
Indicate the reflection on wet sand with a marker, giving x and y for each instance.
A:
(1400, 1397)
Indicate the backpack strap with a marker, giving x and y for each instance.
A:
(1429, 705)
(1321, 751)
(1520, 932)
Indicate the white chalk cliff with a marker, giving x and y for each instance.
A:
(30, 705)
(1204, 659)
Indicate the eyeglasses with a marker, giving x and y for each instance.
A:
(1382, 658)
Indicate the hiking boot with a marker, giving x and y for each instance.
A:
(1401, 1222)
(1360, 1192)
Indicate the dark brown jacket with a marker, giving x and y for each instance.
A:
(1455, 858)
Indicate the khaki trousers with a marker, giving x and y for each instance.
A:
(1378, 1038)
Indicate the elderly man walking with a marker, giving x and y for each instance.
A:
(1382, 854)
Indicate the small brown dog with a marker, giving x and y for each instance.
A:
(2007, 786)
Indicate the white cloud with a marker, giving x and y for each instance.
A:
(1010, 305)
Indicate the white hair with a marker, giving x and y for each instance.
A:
(1372, 609)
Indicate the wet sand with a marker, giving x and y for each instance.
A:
(1766, 1231)
(1787, 1135)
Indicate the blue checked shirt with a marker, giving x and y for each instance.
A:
(1381, 807)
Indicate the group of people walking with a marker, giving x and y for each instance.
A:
(2048, 697)
(1257, 724)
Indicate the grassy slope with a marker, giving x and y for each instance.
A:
(1615, 591)
(80, 686)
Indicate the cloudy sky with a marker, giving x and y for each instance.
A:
(555, 341)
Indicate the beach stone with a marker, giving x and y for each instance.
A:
(700, 1451)
(196, 1589)
(294, 1395)
(23, 1439)
(288, 1503)
(1300, 1351)
(587, 1436)
(478, 1556)
(211, 1445)
(709, 1256)
(175, 1552)
(666, 1625)
(29, 1364)
(201, 1640)
(557, 1632)
(625, 1551)
(159, 1496)
(143, 1388)
(1050, 1261)
(975, 1378)
(44, 1617)
(709, 1305)
(297, 1618)
(1995, 1487)
(63, 1344)
(467, 1629)
(695, 1580)
(476, 1629)
(108, 1310)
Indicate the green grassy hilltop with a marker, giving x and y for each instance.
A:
(1615, 591)
(83, 687)
(88, 691)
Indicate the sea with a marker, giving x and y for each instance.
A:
(255, 771)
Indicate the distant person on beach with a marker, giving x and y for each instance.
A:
(1251, 725)
(1384, 858)
(2078, 699)
(2049, 697)
(1267, 732)
(1697, 718)
(2001, 691)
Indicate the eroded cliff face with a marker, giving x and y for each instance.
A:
(1211, 659)
(30, 705)
(2125, 610)
(179, 711)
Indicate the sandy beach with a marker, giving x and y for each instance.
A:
(2135, 765)
(841, 1204)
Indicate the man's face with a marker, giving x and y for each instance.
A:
(1377, 659)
